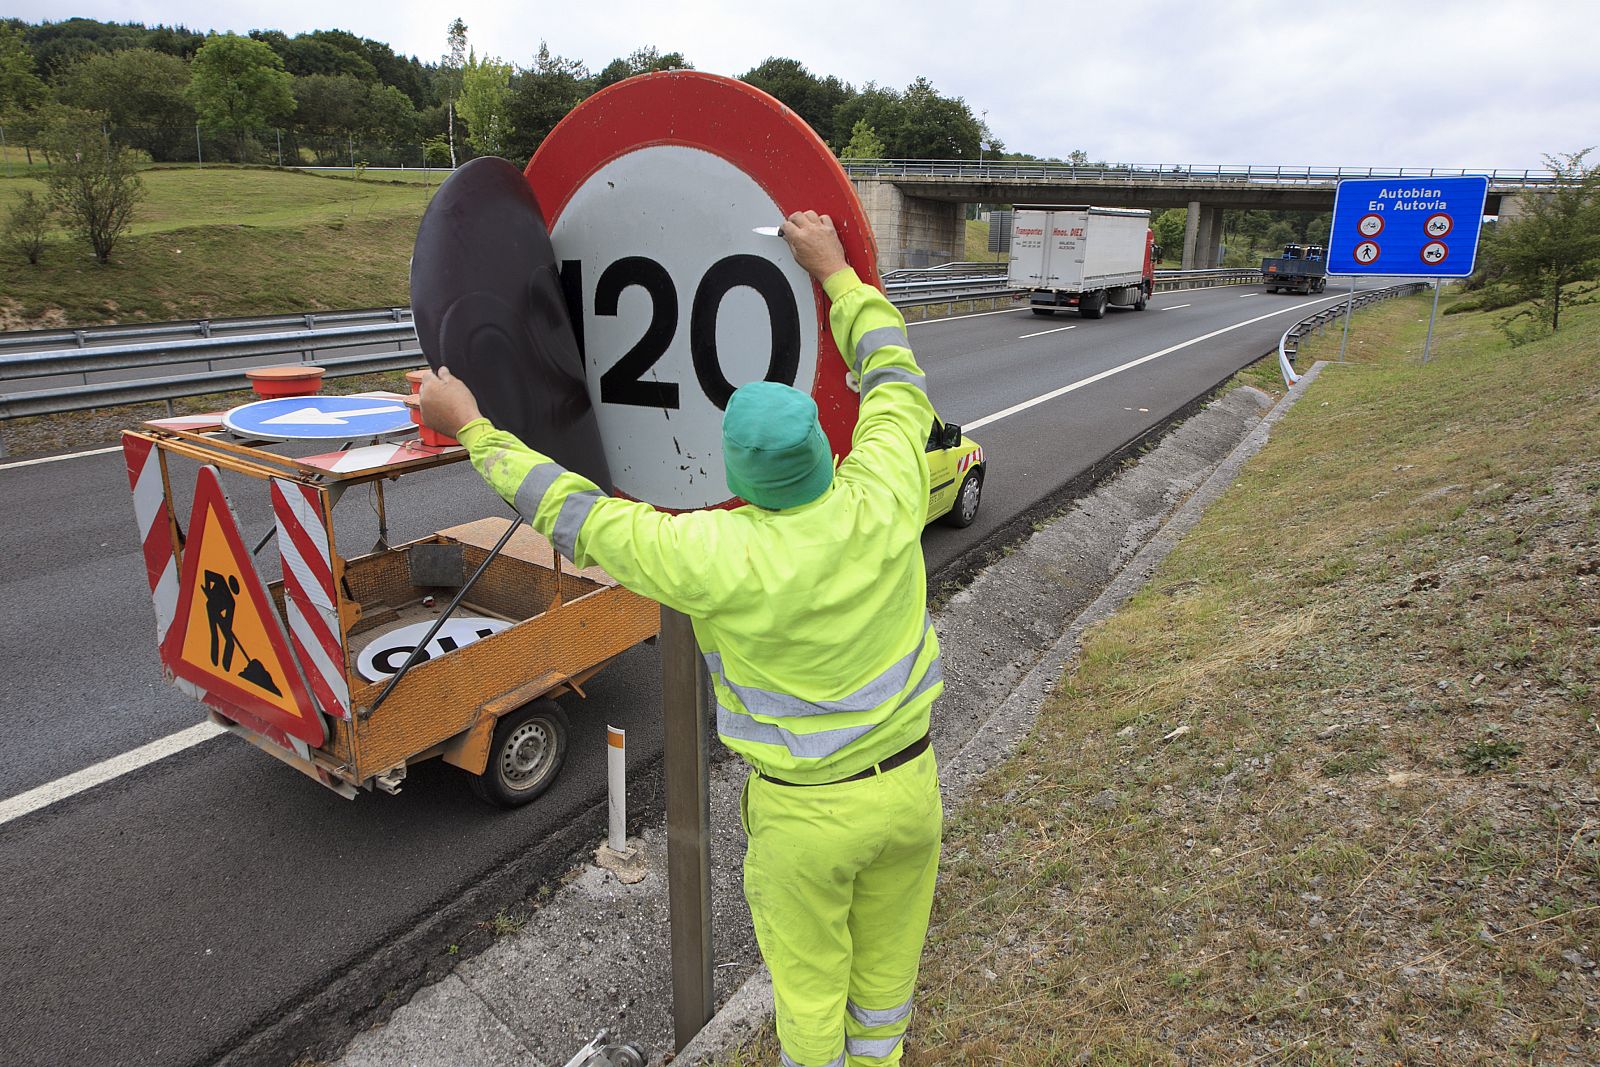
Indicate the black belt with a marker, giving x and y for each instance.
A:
(905, 755)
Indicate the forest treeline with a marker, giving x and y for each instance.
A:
(330, 96)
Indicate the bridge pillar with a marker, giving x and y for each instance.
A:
(911, 231)
(1211, 228)
(1191, 234)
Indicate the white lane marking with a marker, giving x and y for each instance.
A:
(1041, 333)
(58, 459)
(1065, 389)
(62, 788)
(1175, 307)
(959, 318)
(1245, 296)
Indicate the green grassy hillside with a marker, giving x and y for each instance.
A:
(225, 241)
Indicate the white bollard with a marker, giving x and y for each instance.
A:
(617, 788)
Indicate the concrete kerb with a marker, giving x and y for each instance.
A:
(749, 1008)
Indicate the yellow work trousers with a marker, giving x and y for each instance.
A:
(840, 883)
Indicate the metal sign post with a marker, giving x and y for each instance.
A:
(684, 706)
(1349, 302)
(1434, 314)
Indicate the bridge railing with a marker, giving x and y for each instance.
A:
(1174, 173)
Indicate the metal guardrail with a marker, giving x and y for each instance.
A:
(1289, 343)
(1176, 173)
(93, 350)
(90, 336)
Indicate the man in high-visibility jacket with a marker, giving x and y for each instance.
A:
(810, 607)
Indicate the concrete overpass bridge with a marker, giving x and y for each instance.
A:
(916, 205)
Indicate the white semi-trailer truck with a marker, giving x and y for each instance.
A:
(1082, 257)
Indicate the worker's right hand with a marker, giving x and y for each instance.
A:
(447, 404)
(815, 244)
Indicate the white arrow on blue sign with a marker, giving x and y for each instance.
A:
(319, 418)
(1417, 227)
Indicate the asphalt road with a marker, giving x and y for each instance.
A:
(172, 913)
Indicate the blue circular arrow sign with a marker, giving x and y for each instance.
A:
(319, 418)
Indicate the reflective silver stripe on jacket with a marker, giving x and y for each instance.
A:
(574, 509)
(819, 745)
(787, 706)
(871, 1046)
(882, 337)
(879, 1016)
(535, 484)
(786, 1061)
(878, 375)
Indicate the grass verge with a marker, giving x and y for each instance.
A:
(1325, 791)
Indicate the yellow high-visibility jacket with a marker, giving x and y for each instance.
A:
(812, 620)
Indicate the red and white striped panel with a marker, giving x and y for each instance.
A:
(310, 602)
(372, 457)
(155, 528)
(968, 460)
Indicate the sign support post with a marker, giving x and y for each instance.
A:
(1434, 314)
(683, 699)
(1349, 303)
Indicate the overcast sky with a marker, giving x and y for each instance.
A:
(1452, 83)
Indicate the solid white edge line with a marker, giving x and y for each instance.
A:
(1041, 333)
(1175, 307)
(1065, 389)
(58, 459)
(71, 785)
(959, 318)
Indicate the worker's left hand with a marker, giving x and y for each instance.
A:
(447, 404)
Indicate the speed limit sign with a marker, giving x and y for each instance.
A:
(654, 190)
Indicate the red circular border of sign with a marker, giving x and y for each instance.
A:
(755, 133)
(1430, 244)
(1364, 218)
(1439, 215)
(1377, 250)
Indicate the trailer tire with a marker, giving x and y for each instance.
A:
(1322, 283)
(1272, 288)
(1143, 301)
(1093, 307)
(526, 754)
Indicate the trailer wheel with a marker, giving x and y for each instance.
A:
(1143, 301)
(1272, 288)
(525, 756)
(1037, 310)
(1093, 307)
(1322, 283)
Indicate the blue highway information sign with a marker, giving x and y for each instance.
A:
(1421, 227)
(319, 418)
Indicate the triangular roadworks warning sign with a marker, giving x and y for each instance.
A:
(226, 638)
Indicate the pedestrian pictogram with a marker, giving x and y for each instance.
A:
(1438, 225)
(1366, 252)
(1370, 225)
(1434, 253)
(226, 637)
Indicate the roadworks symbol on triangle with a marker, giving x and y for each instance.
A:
(228, 639)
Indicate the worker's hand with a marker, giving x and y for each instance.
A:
(447, 403)
(815, 244)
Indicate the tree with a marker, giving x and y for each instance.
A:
(812, 98)
(864, 143)
(485, 91)
(239, 85)
(92, 180)
(27, 225)
(142, 92)
(447, 83)
(646, 60)
(541, 96)
(20, 86)
(936, 127)
(1169, 227)
(1549, 257)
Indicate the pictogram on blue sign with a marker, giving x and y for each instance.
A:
(1423, 227)
(319, 418)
